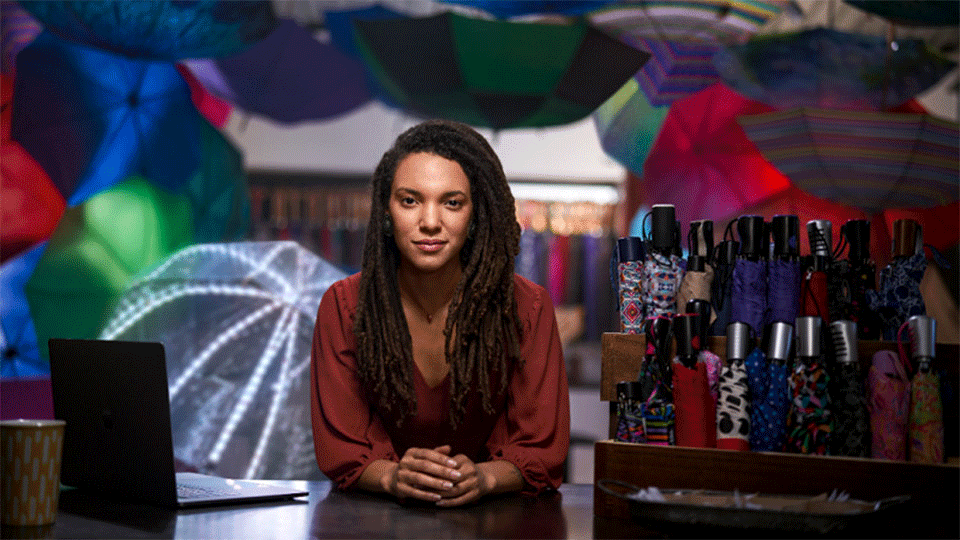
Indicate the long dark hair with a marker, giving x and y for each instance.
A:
(482, 330)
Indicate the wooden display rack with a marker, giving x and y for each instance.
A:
(934, 488)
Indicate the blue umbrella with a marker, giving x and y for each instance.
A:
(521, 8)
(18, 339)
(289, 76)
(167, 30)
(92, 118)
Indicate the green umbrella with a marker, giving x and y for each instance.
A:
(627, 125)
(96, 249)
(218, 191)
(493, 73)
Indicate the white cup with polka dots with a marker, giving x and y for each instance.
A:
(30, 455)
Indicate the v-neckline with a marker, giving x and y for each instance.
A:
(423, 379)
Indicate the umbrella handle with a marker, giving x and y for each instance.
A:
(903, 354)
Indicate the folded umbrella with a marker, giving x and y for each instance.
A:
(851, 435)
(662, 273)
(748, 290)
(696, 413)
(698, 274)
(734, 404)
(784, 272)
(925, 428)
(898, 289)
(720, 290)
(888, 388)
(768, 374)
(814, 289)
(630, 255)
(857, 274)
(810, 421)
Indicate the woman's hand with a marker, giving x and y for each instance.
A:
(422, 473)
(480, 479)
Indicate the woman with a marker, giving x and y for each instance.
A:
(437, 373)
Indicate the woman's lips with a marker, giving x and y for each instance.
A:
(430, 246)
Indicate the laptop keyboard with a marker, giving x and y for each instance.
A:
(186, 491)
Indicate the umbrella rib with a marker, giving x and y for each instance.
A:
(279, 394)
(253, 384)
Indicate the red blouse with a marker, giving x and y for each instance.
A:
(530, 428)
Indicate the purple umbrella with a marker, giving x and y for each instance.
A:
(784, 271)
(288, 76)
(748, 290)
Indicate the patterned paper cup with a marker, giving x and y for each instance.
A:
(31, 453)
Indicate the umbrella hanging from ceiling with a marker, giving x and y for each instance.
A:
(915, 12)
(236, 320)
(19, 354)
(830, 69)
(627, 126)
(289, 77)
(159, 29)
(492, 73)
(531, 8)
(92, 118)
(714, 21)
(867, 160)
(96, 249)
(17, 30)
(703, 163)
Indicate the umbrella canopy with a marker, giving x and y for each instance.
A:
(30, 205)
(866, 160)
(675, 69)
(19, 355)
(697, 20)
(289, 76)
(919, 13)
(703, 163)
(92, 118)
(214, 109)
(627, 126)
(94, 252)
(218, 192)
(831, 69)
(494, 73)
(159, 29)
(17, 29)
(236, 321)
(531, 8)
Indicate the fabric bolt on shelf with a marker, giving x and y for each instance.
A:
(734, 408)
(696, 413)
(926, 419)
(888, 389)
(494, 73)
(851, 435)
(810, 422)
(748, 293)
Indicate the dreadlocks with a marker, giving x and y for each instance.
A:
(482, 330)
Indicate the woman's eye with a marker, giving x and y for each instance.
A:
(407, 200)
(453, 203)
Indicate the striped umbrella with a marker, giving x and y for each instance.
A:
(17, 29)
(867, 160)
(714, 21)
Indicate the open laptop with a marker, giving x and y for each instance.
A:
(114, 398)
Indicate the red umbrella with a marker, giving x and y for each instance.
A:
(30, 205)
(703, 163)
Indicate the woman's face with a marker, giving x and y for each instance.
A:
(430, 208)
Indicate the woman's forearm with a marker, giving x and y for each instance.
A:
(500, 477)
(376, 476)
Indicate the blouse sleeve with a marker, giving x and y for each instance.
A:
(534, 432)
(347, 435)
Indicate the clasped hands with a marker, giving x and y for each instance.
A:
(433, 475)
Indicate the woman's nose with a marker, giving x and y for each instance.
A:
(430, 217)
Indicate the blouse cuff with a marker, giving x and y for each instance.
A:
(536, 477)
(348, 481)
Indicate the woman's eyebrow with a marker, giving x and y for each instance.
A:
(416, 193)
